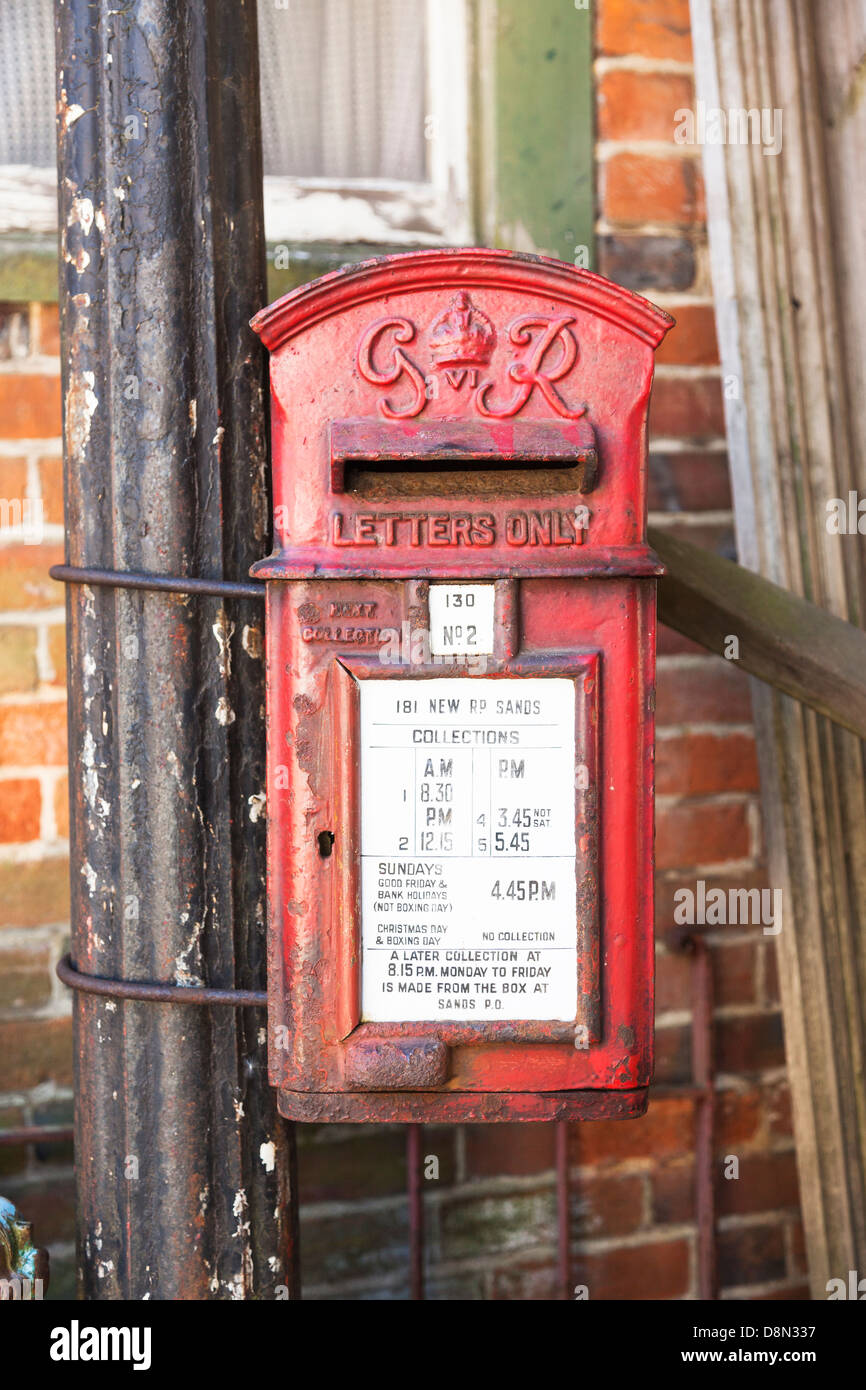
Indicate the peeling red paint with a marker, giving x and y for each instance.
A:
(523, 463)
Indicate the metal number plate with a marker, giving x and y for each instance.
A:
(461, 619)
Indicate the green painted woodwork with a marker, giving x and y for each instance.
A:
(542, 186)
(28, 268)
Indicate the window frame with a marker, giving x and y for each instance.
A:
(28, 198)
(396, 212)
(301, 211)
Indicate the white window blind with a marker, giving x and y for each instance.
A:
(27, 83)
(344, 88)
(364, 119)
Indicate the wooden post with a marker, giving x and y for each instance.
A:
(785, 229)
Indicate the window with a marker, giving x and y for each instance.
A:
(28, 192)
(364, 120)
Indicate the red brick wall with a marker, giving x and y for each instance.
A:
(491, 1212)
(36, 1071)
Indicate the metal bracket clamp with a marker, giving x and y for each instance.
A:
(131, 989)
(158, 993)
(166, 583)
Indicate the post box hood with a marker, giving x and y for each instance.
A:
(470, 361)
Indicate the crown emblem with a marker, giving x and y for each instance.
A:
(462, 334)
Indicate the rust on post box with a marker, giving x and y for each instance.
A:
(461, 665)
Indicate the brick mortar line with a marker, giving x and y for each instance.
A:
(688, 661)
(31, 456)
(45, 670)
(604, 63)
(691, 444)
(769, 1078)
(749, 1220)
(670, 731)
(673, 1018)
(501, 1260)
(736, 1081)
(708, 518)
(731, 1013)
(719, 939)
(60, 929)
(52, 771)
(671, 800)
(666, 731)
(649, 1165)
(61, 995)
(34, 482)
(339, 1133)
(51, 616)
(36, 366)
(688, 444)
(33, 851)
(437, 1194)
(344, 1288)
(679, 1018)
(45, 695)
(749, 1293)
(49, 780)
(671, 444)
(25, 938)
(435, 1270)
(52, 533)
(685, 371)
(606, 150)
(37, 1177)
(634, 1240)
(755, 826)
(47, 1013)
(40, 1094)
(683, 299)
(679, 231)
(718, 868)
(51, 445)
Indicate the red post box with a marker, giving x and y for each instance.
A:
(461, 656)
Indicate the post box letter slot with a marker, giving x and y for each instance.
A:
(450, 458)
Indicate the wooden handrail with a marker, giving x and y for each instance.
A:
(784, 640)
